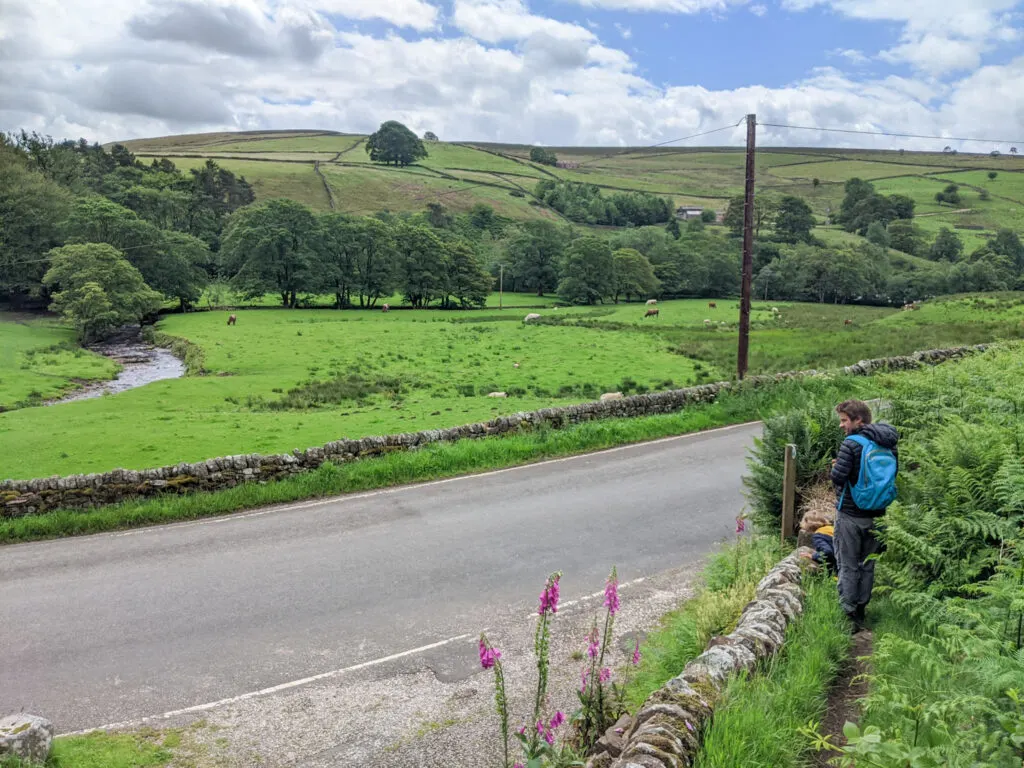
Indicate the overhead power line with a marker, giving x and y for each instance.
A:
(889, 133)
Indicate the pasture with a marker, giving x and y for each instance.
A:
(460, 175)
(285, 379)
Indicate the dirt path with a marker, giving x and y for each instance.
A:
(844, 698)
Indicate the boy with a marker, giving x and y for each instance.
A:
(854, 536)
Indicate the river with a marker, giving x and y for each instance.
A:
(142, 364)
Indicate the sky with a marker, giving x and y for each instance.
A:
(555, 72)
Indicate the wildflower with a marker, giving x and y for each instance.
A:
(518, 765)
(689, 727)
(488, 655)
(540, 726)
(593, 642)
(741, 524)
(549, 597)
(636, 652)
(557, 720)
(583, 682)
(605, 675)
(611, 592)
(522, 731)
(549, 737)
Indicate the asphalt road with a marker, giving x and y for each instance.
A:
(115, 627)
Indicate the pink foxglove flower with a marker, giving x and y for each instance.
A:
(549, 597)
(593, 642)
(488, 655)
(636, 652)
(611, 592)
(741, 524)
(557, 720)
(605, 675)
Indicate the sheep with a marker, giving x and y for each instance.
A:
(497, 394)
(611, 396)
(653, 312)
(515, 365)
(232, 320)
(707, 323)
(531, 317)
(651, 302)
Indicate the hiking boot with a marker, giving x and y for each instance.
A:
(856, 623)
(861, 616)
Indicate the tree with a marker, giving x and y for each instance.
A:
(31, 209)
(375, 261)
(765, 208)
(422, 264)
(947, 246)
(535, 253)
(430, 136)
(794, 220)
(543, 156)
(708, 216)
(179, 272)
(1013, 150)
(464, 279)
(856, 191)
(815, 182)
(992, 175)
(902, 206)
(632, 275)
(1007, 243)
(394, 143)
(438, 216)
(673, 228)
(481, 216)
(587, 271)
(878, 235)
(97, 290)
(270, 247)
(951, 195)
(905, 236)
(336, 246)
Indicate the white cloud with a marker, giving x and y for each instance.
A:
(851, 55)
(939, 37)
(624, 31)
(665, 6)
(146, 72)
(416, 14)
(759, 10)
(495, 20)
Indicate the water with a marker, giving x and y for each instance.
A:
(142, 364)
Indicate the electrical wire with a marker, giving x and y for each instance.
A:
(887, 133)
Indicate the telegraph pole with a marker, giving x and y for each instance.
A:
(501, 283)
(748, 248)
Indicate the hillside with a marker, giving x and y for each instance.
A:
(328, 170)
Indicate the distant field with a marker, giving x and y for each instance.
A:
(841, 170)
(293, 180)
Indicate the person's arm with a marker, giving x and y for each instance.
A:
(843, 464)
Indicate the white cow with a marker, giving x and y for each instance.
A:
(651, 302)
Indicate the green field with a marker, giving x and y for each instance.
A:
(40, 360)
(460, 175)
(285, 379)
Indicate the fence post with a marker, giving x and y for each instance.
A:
(789, 493)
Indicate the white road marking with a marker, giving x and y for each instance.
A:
(228, 517)
(268, 691)
(585, 598)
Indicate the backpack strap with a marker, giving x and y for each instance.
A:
(862, 441)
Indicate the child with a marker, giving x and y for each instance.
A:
(820, 526)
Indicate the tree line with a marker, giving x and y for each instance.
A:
(587, 204)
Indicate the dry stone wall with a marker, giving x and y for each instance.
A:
(26, 497)
(667, 729)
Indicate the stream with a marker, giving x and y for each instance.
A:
(142, 364)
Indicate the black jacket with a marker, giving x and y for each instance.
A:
(846, 471)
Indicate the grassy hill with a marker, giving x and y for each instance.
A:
(328, 170)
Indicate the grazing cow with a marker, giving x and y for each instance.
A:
(712, 305)
(611, 396)
(232, 320)
(385, 308)
(497, 394)
(531, 317)
(651, 302)
(652, 312)
(847, 322)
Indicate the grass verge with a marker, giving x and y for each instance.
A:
(760, 722)
(729, 582)
(139, 749)
(435, 461)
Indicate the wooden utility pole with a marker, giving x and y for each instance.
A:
(501, 283)
(748, 252)
(789, 493)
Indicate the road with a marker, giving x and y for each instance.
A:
(115, 627)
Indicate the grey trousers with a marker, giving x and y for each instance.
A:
(854, 542)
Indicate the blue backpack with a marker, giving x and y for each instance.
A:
(876, 485)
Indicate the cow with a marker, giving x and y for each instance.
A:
(530, 317)
(652, 312)
(232, 320)
(385, 308)
(847, 322)
(712, 305)
(652, 302)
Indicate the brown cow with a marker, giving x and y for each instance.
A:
(712, 305)
(653, 311)
(232, 320)
(385, 308)
(847, 322)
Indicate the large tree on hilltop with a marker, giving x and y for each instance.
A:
(394, 143)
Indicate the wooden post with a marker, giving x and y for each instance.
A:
(747, 275)
(789, 493)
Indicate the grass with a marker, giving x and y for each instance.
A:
(436, 460)
(139, 749)
(760, 721)
(446, 363)
(269, 179)
(39, 359)
(729, 581)
(841, 170)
